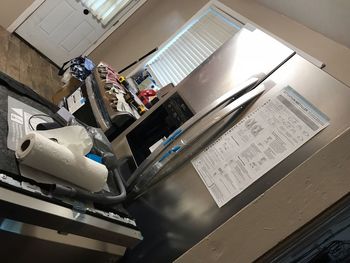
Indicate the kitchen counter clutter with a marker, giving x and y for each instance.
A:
(104, 99)
(117, 98)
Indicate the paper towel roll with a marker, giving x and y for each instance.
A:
(43, 154)
(75, 138)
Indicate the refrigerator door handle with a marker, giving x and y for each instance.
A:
(147, 176)
(232, 94)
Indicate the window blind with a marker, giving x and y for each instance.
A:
(106, 10)
(191, 47)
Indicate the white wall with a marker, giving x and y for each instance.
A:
(329, 17)
(11, 9)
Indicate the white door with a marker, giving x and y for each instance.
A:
(61, 31)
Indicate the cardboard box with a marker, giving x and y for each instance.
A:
(66, 90)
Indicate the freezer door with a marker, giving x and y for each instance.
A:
(179, 211)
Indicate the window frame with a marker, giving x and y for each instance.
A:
(214, 4)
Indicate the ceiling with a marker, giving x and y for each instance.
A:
(328, 17)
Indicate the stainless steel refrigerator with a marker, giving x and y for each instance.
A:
(176, 210)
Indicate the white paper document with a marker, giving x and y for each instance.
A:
(76, 101)
(257, 143)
